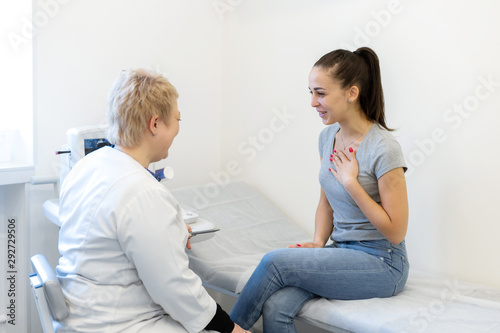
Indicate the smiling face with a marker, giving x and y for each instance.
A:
(329, 99)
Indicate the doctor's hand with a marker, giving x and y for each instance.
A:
(188, 245)
(238, 329)
(304, 245)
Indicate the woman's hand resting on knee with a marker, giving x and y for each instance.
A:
(238, 329)
(305, 245)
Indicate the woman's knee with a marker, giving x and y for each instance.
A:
(277, 257)
(271, 260)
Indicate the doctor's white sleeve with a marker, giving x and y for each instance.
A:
(154, 240)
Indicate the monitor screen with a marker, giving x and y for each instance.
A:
(94, 144)
(84, 140)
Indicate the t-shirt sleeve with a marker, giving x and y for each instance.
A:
(388, 156)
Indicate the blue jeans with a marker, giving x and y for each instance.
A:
(286, 278)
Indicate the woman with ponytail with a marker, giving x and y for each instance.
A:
(363, 205)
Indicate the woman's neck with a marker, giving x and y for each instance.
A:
(355, 125)
(137, 153)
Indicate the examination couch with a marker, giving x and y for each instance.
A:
(250, 225)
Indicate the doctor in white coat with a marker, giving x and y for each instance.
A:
(122, 241)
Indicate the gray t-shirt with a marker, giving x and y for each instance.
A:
(378, 153)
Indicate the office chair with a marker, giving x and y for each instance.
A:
(48, 294)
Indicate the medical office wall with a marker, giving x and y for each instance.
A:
(441, 78)
(85, 44)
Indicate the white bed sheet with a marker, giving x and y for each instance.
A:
(251, 226)
(428, 303)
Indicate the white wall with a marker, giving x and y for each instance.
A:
(434, 55)
(82, 48)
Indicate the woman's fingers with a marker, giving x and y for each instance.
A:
(188, 245)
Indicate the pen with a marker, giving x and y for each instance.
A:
(194, 233)
(59, 152)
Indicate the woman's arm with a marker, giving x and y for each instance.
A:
(391, 218)
(323, 223)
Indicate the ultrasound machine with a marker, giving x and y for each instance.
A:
(83, 141)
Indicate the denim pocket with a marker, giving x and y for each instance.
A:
(405, 269)
(378, 248)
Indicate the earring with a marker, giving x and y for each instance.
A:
(350, 101)
(154, 135)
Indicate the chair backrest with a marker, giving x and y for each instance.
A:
(48, 294)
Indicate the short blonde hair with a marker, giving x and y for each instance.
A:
(135, 97)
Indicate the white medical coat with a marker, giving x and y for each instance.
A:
(124, 267)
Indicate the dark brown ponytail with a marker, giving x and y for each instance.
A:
(360, 68)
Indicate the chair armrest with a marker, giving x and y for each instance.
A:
(52, 289)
